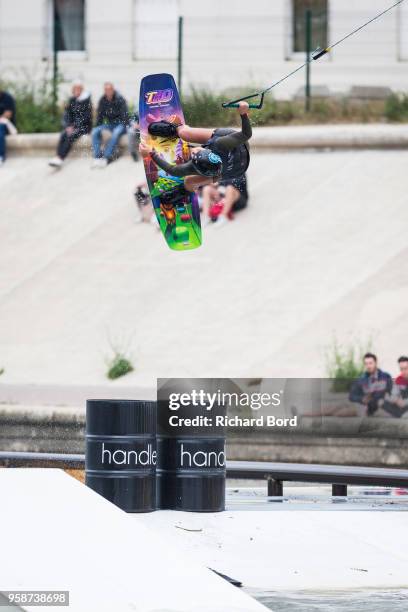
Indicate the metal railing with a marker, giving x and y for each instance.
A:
(275, 474)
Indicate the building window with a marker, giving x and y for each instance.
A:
(319, 10)
(155, 29)
(403, 32)
(69, 24)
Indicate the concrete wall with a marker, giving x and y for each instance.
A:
(226, 44)
(346, 441)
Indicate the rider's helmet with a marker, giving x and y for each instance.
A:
(206, 163)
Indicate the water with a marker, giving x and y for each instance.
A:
(336, 601)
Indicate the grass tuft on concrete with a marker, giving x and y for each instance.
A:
(119, 366)
(344, 364)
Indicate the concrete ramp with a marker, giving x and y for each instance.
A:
(59, 535)
(321, 251)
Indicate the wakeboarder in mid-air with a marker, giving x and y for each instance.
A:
(221, 154)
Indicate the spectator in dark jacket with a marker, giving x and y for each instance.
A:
(7, 121)
(77, 121)
(112, 116)
(370, 389)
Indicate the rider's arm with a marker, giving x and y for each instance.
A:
(233, 140)
(178, 170)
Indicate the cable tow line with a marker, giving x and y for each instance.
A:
(316, 55)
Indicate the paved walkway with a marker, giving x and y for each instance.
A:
(322, 250)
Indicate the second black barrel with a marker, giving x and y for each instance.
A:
(191, 467)
(121, 453)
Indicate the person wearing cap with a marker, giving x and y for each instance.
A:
(77, 121)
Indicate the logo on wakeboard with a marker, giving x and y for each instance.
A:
(160, 96)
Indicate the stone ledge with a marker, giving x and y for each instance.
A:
(352, 427)
(348, 440)
(347, 136)
(46, 144)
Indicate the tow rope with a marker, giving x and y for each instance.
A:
(316, 55)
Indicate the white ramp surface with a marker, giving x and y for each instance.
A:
(56, 534)
(290, 550)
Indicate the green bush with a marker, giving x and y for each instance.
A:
(396, 107)
(322, 110)
(2, 370)
(34, 104)
(204, 108)
(344, 364)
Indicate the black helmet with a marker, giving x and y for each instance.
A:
(207, 163)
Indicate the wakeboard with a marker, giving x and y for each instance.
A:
(179, 220)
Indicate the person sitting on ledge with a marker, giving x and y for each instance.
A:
(112, 117)
(370, 389)
(77, 121)
(7, 121)
(396, 403)
(367, 394)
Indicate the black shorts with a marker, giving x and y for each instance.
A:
(240, 184)
(222, 132)
(240, 204)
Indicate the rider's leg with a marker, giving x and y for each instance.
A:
(210, 194)
(232, 195)
(191, 134)
(192, 183)
(169, 130)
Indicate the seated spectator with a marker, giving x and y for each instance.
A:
(396, 403)
(133, 132)
(113, 117)
(77, 121)
(222, 199)
(7, 121)
(370, 389)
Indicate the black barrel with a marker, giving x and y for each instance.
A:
(121, 453)
(191, 459)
